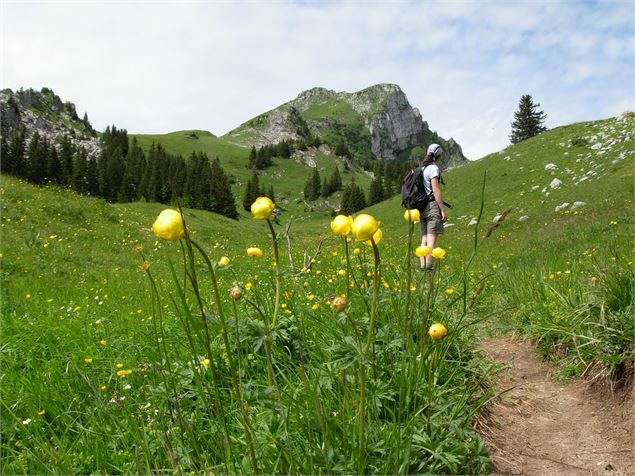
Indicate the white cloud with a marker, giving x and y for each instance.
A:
(164, 66)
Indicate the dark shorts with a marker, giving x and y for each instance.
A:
(431, 222)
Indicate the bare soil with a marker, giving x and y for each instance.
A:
(539, 426)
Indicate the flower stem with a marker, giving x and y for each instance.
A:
(276, 256)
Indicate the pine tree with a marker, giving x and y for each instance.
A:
(17, 156)
(54, 166)
(37, 159)
(252, 191)
(312, 186)
(224, 201)
(336, 180)
(376, 191)
(528, 120)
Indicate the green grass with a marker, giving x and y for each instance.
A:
(71, 279)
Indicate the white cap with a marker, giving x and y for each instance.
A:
(435, 149)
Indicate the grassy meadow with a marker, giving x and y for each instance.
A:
(122, 353)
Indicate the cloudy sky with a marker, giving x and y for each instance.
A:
(161, 66)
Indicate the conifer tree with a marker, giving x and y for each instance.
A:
(17, 157)
(224, 201)
(37, 159)
(528, 120)
(78, 178)
(376, 190)
(252, 191)
(66, 160)
(312, 186)
(54, 166)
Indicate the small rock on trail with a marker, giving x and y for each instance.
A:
(541, 427)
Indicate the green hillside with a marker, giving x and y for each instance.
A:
(106, 370)
(287, 176)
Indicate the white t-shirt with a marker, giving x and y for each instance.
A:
(429, 172)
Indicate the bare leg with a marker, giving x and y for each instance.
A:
(422, 259)
(431, 241)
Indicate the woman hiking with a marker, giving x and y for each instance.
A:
(433, 214)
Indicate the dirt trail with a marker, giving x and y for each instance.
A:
(543, 427)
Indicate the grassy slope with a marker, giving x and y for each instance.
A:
(70, 274)
(287, 176)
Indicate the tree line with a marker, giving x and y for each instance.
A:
(386, 183)
(122, 172)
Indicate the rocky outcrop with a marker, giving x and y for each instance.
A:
(28, 111)
(396, 128)
(381, 115)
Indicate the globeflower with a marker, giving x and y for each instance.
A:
(438, 253)
(364, 227)
(422, 251)
(412, 215)
(341, 225)
(224, 261)
(169, 225)
(254, 252)
(437, 331)
(261, 209)
(376, 237)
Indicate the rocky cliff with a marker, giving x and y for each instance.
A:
(377, 122)
(28, 111)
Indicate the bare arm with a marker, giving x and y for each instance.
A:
(437, 197)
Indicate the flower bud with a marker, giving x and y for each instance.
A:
(438, 253)
(254, 252)
(262, 208)
(364, 227)
(422, 251)
(437, 331)
(236, 293)
(412, 215)
(341, 225)
(169, 225)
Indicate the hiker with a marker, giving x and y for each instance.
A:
(433, 213)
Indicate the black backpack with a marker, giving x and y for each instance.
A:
(413, 194)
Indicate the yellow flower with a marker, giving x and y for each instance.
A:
(341, 225)
(376, 237)
(169, 225)
(224, 261)
(41, 412)
(315, 306)
(205, 362)
(145, 265)
(261, 209)
(449, 291)
(437, 331)
(88, 360)
(103, 388)
(338, 304)
(248, 286)
(119, 366)
(341, 272)
(422, 251)
(103, 342)
(438, 253)
(412, 215)
(364, 227)
(357, 251)
(254, 252)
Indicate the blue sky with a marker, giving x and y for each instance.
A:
(159, 66)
